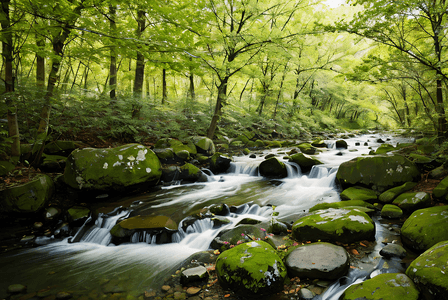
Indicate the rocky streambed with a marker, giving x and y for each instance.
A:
(301, 222)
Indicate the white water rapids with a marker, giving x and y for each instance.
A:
(86, 265)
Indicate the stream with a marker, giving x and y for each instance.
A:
(86, 265)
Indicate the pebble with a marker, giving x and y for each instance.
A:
(16, 288)
(393, 250)
(63, 295)
(306, 294)
(193, 290)
(180, 295)
(166, 288)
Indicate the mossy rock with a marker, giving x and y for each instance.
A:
(272, 168)
(243, 139)
(429, 271)
(359, 193)
(334, 225)
(176, 145)
(219, 163)
(191, 173)
(259, 144)
(342, 204)
(341, 144)
(441, 190)
(246, 151)
(237, 235)
(60, 147)
(438, 173)
(319, 143)
(77, 213)
(112, 169)
(389, 195)
(307, 148)
(410, 202)
(6, 167)
(30, 197)
(305, 162)
(379, 173)
(424, 163)
(183, 155)
(391, 211)
(390, 286)
(273, 144)
(204, 145)
(425, 227)
(385, 148)
(251, 269)
(165, 155)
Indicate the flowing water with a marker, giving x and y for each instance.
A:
(91, 261)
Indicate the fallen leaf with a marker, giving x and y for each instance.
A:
(226, 295)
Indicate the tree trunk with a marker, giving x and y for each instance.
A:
(220, 101)
(164, 92)
(113, 55)
(40, 63)
(7, 53)
(191, 92)
(140, 63)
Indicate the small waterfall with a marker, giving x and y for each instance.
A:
(100, 232)
(237, 168)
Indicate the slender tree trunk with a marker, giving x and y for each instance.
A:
(40, 63)
(244, 88)
(191, 93)
(220, 101)
(7, 53)
(164, 92)
(113, 55)
(140, 63)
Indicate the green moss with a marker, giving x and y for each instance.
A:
(390, 286)
(273, 168)
(259, 144)
(384, 148)
(412, 201)
(306, 148)
(391, 211)
(305, 162)
(343, 204)
(441, 190)
(359, 193)
(389, 195)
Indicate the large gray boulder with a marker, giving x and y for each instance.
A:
(429, 271)
(30, 197)
(425, 227)
(379, 173)
(112, 169)
(251, 269)
(318, 260)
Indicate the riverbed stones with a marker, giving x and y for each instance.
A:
(429, 271)
(410, 202)
(190, 275)
(237, 235)
(272, 168)
(219, 163)
(359, 193)
(425, 227)
(306, 148)
(305, 161)
(204, 145)
(341, 144)
(390, 286)
(30, 197)
(389, 195)
(16, 288)
(384, 148)
(441, 190)
(379, 172)
(393, 250)
(390, 211)
(112, 169)
(342, 204)
(334, 225)
(318, 260)
(251, 269)
(191, 173)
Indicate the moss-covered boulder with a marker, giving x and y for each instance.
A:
(429, 271)
(342, 204)
(306, 148)
(318, 260)
(390, 286)
(6, 167)
(112, 169)
(425, 227)
(384, 148)
(379, 173)
(191, 173)
(272, 168)
(77, 214)
(410, 202)
(251, 269)
(30, 197)
(389, 195)
(60, 147)
(359, 193)
(341, 144)
(390, 211)
(143, 228)
(334, 225)
(237, 235)
(176, 145)
(305, 162)
(319, 143)
(441, 190)
(204, 145)
(219, 163)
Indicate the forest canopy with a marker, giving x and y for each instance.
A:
(141, 70)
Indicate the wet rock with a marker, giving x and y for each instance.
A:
(64, 295)
(334, 225)
(219, 163)
(384, 148)
(176, 145)
(238, 235)
(60, 147)
(391, 211)
(391, 286)
(410, 202)
(425, 227)
(53, 163)
(342, 204)
(204, 145)
(341, 144)
(389, 195)
(306, 148)
(438, 173)
(305, 162)
(273, 168)
(191, 291)
(251, 269)
(191, 173)
(248, 221)
(51, 213)
(219, 209)
(277, 227)
(318, 260)
(441, 190)
(193, 274)
(28, 198)
(78, 214)
(305, 294)
(429, 271)
(16, 288)
(165, 155)
(319, 144)
(393, 250)
(359, 193)
(183, 155)
(379, 173)
(219, 221)
(112, 169)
